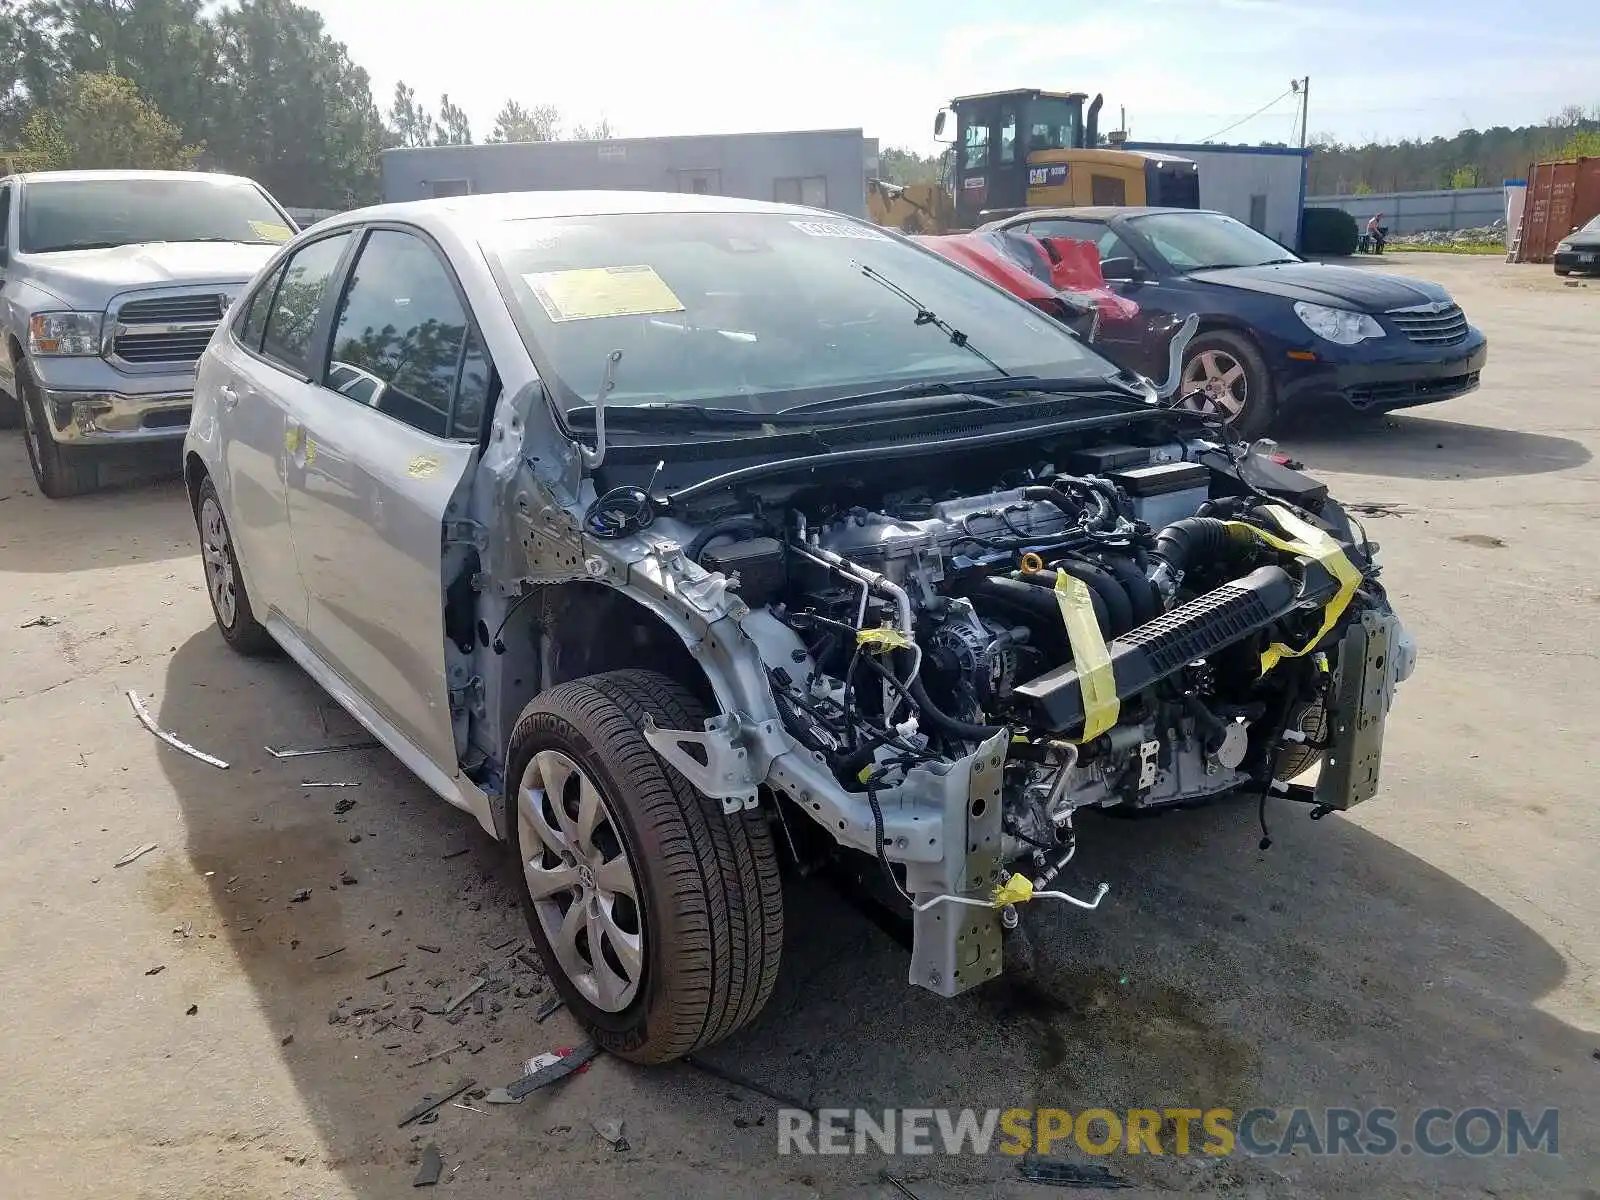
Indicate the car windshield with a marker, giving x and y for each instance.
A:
(1197, 241)
(1592, 227)
(760, 311)
(79, 214)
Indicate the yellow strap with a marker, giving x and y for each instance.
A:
(1016, 890)
(1089, 656)
(1307, 540)
(879, 641)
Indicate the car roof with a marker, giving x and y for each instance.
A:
(468, 213)
(127, 176)
(1100, 214)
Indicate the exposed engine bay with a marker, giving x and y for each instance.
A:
(943, 680)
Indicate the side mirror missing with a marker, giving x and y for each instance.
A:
(1119, 268)
(938, 124)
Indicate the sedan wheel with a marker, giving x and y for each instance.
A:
(1226, 370)
(580, 880)
(230, 603)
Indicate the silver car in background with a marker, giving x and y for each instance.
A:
(664, 532)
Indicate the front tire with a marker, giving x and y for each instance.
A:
(60, 471)
(658, 916)
(230, 603)
(1229, 368)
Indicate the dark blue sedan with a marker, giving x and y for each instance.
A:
(1276, 332)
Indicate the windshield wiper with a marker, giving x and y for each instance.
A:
(926, 316)
(675, 414)
(76, 246)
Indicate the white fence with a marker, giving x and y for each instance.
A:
(1422, 212)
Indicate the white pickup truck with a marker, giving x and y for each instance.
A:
(111, 283)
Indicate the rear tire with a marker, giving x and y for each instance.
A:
(1563, 270)
(1230, 367)
(692, 954)
(230, 603)
(60, 471)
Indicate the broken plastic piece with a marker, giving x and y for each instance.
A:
(133, 854)
(307, 751)
(145, 719)
(610, 1128)
(431, 1103)
(311, 783)
(430, 1170)
(1065, 1174)
(573, 1061)
(461, 998)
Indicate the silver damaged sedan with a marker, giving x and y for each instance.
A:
(681, 539)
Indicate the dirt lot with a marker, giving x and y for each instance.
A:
(1436, 947)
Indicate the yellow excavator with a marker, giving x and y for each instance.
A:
(1025, 149)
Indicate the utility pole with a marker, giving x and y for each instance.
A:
(1303, 86)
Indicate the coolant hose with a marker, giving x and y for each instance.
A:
(722, 528)
(1187, 542)
(1072, 507)
(1142, 593)
(1119, 606)
(964, 730)
(1016, 592)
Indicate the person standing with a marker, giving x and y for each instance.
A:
(1377, 235)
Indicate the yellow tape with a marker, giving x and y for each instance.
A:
(1089, 656)
(1016, 890)
(1307, 540)
(880, 641)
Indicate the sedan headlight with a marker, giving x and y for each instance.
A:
(1563, 247)
(1337, 325)
(63, 334)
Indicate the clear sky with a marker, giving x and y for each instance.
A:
(1185, 69)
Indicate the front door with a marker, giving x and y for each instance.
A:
(991, 159)
(254, 376)
(386, 435)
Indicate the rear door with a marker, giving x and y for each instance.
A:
(256, 375)
(388, 429)
(1137, 345)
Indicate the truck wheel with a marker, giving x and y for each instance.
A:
(659, 917)
(60, 471)
(1229, 368)
(230, 604)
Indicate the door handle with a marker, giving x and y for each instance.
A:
(228, 396)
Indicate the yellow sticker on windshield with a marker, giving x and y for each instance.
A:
(580, 295)
(271, 231)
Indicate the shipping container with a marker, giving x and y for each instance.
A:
(1561, 196)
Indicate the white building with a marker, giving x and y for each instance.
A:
(1263, 186)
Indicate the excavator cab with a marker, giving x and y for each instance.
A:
(1034, 149)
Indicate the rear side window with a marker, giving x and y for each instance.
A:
(298, 302)
(402, 341)
(253, 320)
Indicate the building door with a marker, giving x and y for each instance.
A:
(700, 183)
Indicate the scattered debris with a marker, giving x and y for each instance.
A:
(328, 954)
(548, 1009)
(510, 941)
(457, 853)
(307, 751)
(353, 838)
(379, 974)
(501, 1096)
(445, 1053)
(301, 896)
(286, 1039)
(1377, 508)
(432, 1167)
(747, 1123)
(343, 807)
(42, 622)
(571, 1061)
(429, 949)
(145, 719)
(133, 854)
(310, 783)
(610, 1128)
(1065, 1174)
(430, 1104)
(461, 998)
(191, 1010)
(1485, 540)
(157, 969)
(346, 878)
(898, 1185)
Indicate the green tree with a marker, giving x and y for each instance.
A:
(600, 131)
(453, 128)
(102, 122)
(1585, 143)
(902, 166)
(290, 109)
(1465, 177)
(411, 123)
(514, 123)
(29, 64)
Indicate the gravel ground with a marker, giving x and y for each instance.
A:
(184, 1026)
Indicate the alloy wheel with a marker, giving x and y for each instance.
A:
(219, 565)
(1222, 378)
(580, 880)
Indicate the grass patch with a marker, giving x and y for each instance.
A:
(1452, 248)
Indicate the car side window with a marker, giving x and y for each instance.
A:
(1105, 240)
(298, 302)
(252, 323)
(5, 217)
(402, 341)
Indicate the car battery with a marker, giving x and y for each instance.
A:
(1165, 492)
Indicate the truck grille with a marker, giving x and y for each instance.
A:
(1429, 327)
(167, 330)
